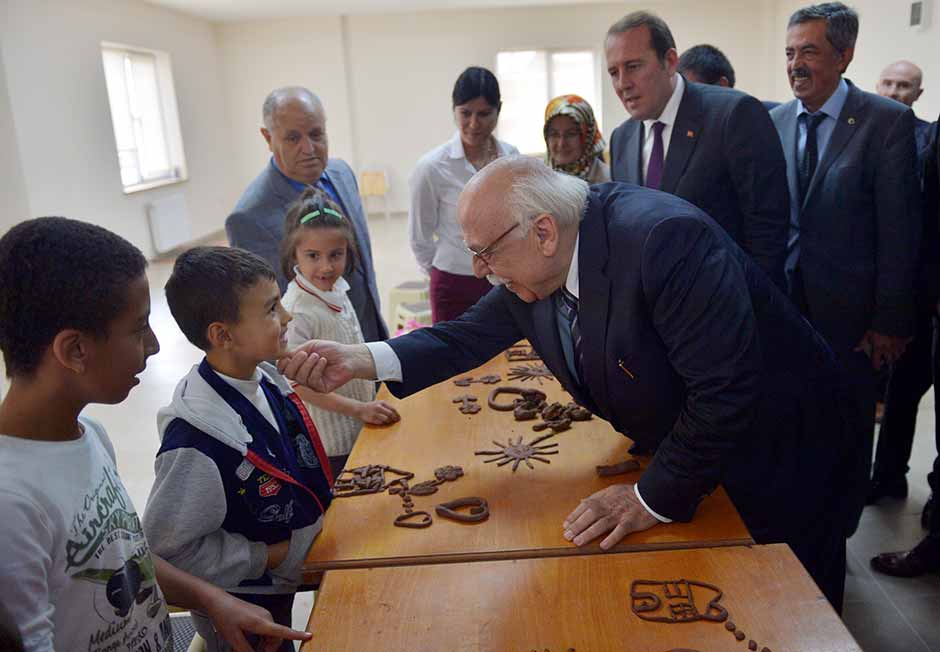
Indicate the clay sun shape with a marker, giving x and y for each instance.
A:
(518, 452)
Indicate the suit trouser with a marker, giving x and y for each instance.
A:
(861, 381)
(788, 477)
(911, 377)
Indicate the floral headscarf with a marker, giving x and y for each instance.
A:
(592, 143)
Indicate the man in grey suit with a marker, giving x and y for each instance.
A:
(855, 210)
(714, 147)
(295, 130)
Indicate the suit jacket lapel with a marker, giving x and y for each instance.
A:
(685, 133)
(633, 152)
(594, 300)
(787, 131)
(846, 126)
(280, 187)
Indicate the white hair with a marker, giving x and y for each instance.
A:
(537, 189)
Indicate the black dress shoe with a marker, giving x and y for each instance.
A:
(886, 489)
(927, 514)
(924, 558)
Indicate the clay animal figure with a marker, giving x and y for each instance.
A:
(676, 601)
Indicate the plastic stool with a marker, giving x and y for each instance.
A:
(419, 311)
(407, 292)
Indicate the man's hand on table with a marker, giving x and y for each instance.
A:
(615, 509)
(325, 366)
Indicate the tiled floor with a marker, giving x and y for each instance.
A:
(887, 614)
(884, 614)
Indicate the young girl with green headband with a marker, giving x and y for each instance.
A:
(318, 249)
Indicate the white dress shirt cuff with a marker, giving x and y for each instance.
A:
(387, 364)
(636, 490)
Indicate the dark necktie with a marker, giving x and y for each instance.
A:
(569, 308)
(654, 171)
(810, 152)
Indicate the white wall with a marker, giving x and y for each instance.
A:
(259, 56)
(56, 87)
(399, 69)
(883, 38)
(14, 206)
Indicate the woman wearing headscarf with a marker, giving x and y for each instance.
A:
(574, 142)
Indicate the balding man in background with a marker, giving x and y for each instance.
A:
(295, 131)
(902, 81)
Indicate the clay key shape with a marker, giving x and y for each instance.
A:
(479, 509)
(468, 404)
(407, 520)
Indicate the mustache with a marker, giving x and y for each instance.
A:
(802, 72)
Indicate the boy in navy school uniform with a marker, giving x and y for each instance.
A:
(242, 479)
(77, 570)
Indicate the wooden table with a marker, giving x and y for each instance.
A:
(527, 507)
(578, 603)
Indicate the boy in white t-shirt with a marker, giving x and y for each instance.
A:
(77, 571)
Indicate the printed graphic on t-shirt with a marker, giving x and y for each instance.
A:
(108, 552)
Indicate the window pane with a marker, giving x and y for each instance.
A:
(523, 82)
(153, 156)
(573, 72)
(121, 119)
(137, 103)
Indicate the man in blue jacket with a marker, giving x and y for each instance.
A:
(648, 314)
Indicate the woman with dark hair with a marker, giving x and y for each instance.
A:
(435, 185)
(573, 140)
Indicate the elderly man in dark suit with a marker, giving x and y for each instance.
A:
(295, 131)
(855, 209)
(712, 146)
(649, 314)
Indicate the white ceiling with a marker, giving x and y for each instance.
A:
(235, 10)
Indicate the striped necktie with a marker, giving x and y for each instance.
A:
(568, 305)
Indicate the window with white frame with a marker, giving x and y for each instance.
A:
(528, 79)
(144, 116)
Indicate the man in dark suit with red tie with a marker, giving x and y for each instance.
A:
(714, 147)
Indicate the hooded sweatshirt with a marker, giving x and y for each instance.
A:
(228, 483)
